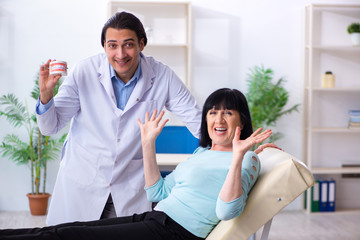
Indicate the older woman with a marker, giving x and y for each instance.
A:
(211, 185)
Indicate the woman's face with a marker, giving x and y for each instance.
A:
(221, 126)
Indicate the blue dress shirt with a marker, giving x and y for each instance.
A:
(123, 91)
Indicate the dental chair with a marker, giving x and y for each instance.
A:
(282, 179)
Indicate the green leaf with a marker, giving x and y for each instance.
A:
(38, 149)
(16, 150)
(266, 99)
(14, 111)
(353, 28)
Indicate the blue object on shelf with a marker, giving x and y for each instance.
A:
(176, 139)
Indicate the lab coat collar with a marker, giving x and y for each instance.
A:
(144, 83)
(104, 78)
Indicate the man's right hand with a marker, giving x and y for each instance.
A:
(47, 83)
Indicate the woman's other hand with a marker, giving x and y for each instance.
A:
(152, 127)
(263, 146)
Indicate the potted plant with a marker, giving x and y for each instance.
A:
(267, 100)
(354, 31)
(36, 151)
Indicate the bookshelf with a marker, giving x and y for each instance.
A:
(168, 29)
(328, 143)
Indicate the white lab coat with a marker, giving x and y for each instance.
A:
(102, 153)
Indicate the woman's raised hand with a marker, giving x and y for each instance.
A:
(152, 127)
(242, 146)
(47, 83)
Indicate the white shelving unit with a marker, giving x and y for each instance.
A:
(328, 142)
(168, 27)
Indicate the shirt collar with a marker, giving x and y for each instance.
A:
(133, 79)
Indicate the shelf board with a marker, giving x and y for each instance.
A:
(340, 211)
(336, 89)
(339, 170)
(334, 47)
(335, 130)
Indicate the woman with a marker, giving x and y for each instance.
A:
(210, 186)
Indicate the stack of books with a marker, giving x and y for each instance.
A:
(354, 119)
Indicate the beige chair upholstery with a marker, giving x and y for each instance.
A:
(282, 179)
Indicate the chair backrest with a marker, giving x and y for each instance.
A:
(282, 179)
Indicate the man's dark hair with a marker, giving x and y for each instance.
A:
(230, 99)
(124, 20)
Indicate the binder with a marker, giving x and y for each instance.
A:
(331, 195)
(181, 139)
(315, 195)
(323, 205)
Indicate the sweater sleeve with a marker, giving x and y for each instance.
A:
(230, 210)
(161, 189)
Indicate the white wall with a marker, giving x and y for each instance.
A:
(229, 37)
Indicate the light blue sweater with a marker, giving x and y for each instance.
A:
(189, 195)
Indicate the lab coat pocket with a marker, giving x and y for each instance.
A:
(81, 165)
(135, 175)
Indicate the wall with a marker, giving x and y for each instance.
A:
(229, 37)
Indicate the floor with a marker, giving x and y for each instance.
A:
(294, 225)
(298, 225)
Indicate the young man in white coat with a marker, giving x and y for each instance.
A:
(101, 170)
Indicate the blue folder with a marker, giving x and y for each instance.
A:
(176, 139)
(331, 196)
(323, 206)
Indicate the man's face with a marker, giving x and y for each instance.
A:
(122, 49)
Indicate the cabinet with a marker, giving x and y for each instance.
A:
(328, 143)
(168, 29)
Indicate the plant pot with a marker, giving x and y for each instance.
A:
(38, 203)
(355, 39)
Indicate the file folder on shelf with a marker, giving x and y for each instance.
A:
(331, 196)
(323, 206)
(315, 195)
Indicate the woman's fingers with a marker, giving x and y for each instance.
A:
(266, 132)
(256, 132)
(237, 133)
(158, 119)
(272, 145)
(154, 118)
(162, 125)
(259, 136)
(139, 122)
(146, 117)
(264, 135)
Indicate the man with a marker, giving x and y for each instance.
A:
(101, 171)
